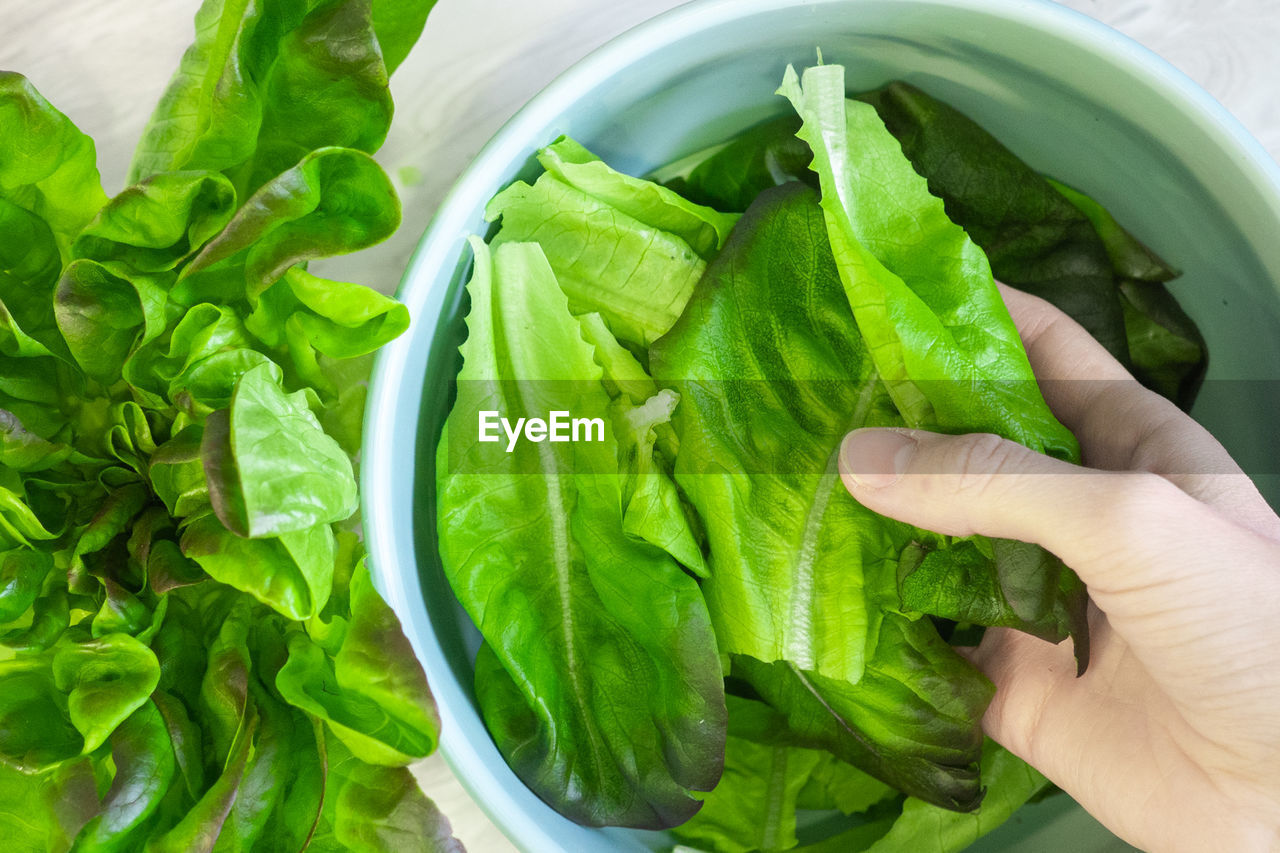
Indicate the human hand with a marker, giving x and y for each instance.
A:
(1172, 737)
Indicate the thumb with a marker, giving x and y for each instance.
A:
(1150, 554)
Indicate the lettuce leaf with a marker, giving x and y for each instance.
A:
(603, 232)
(1075, 254)
(599, 679)
(935, 324)
(192, 655)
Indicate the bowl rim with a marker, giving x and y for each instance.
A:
(388, 547)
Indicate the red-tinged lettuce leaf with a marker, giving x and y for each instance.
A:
(156, 224)
(102, 314)
(602, 687)
(144, 767)
(913, 721)
(43, 812)
(333, 201)
(377, 735)
(176, 472)
(184, 738)
(1009, 782)
(265, 83)
(958, 583)
(376, 809)
(377, 662)
(200, 828)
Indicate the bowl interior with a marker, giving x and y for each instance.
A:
(1071, 97)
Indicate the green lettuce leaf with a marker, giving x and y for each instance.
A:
(926, 303)
(652, 507)
(754, 806)
(384, 716)
(265, 83)
(1009, 783)
(333, 201)
(106, 680)
(912, 721)
(270, 467)
(1033, 240)
(770, 368)
(732, 175)
(291, 573)
(702, 228)
(144, 769)
(599, 252)
(172, 382)
(47, 166)
(156, 224)
(1075, 254)
(1165, 346)
(602, 687)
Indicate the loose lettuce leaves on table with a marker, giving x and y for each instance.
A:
(47, 166)
(188, 638)
(599, 680)
(926, 303)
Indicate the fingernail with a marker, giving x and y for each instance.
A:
(875, 458)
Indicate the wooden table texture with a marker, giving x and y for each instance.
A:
(105, 62)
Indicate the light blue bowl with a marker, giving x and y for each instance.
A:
(1070, 96)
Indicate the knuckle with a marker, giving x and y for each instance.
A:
(1135, 497)
(978, 458)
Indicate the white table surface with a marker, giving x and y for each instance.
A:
(105, 62)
